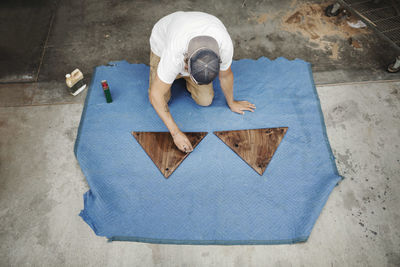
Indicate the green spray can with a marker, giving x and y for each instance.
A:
(106, 90)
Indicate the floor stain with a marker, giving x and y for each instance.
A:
(3, 123)
(356, 44)
(310, 21)
(393, 258)
(350, 201)
(342, 112)
(345, 162)
(205, 254)
(262, 18)
(335, 51)
(155, 253)
(71, 133)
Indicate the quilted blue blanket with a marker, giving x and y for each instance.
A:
(213, 197)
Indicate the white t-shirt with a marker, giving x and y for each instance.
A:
(170, 39)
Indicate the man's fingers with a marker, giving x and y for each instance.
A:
(188, 146)
(183, 148)
(188, 149)
(248, 109)
(248, 104)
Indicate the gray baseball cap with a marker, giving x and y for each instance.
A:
(204, 59)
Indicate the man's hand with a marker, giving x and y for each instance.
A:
(226, 82)
(182, 142)
(241, 106)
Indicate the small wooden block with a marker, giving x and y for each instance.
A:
(161, 149)
(256, 147)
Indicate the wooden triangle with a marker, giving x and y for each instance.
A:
(161, 149)
(256, 147)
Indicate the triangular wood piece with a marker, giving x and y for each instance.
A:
(161, 149)
(256, 147)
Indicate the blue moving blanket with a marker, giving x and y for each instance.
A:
(213, 197)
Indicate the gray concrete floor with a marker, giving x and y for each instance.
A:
(41, 185)
(41, 190)
(44, 39)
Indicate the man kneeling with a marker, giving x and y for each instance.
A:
(197, 47)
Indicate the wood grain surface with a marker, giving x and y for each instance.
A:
(256, 147)
(160, 147)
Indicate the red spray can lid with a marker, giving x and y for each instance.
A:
(104, 84)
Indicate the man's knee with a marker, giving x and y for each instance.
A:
(204, 100)
(202, 94)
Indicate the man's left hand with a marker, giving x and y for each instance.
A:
(242, 106)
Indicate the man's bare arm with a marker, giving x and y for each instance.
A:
(226, 82)
(157, 98)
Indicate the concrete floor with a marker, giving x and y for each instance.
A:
(51, 37)
(41, 185)
(41, 190)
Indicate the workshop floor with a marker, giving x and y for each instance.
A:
(41, 184)
(41, 190)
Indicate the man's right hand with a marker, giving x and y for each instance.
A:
(182, 142)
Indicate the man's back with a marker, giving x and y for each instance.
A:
(171, 35)
(183, 26)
